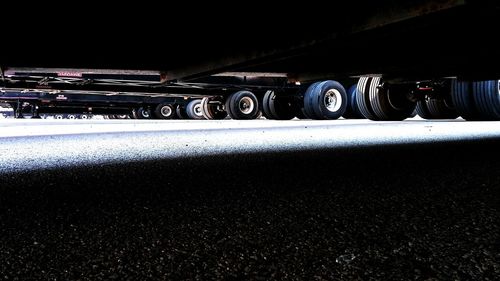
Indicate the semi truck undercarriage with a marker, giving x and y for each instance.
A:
(245, 96)
(379, 60)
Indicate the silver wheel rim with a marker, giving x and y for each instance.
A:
(197, 110)
(71, 117)
(166, 111)
(145, 114)
(332, 100)
(246, 105)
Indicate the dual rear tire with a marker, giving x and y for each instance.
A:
(478, 100)
(436, 108)
(279, 107)
(164, 111)
(380, 101)
(194, 110)
(242, 105)
(325, 100)
(212, 109)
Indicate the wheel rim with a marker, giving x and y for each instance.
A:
(166, 111)
(145, 113)
(197, 110)
(246, 105)
(332, 100)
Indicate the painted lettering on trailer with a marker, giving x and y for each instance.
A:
(69, 74)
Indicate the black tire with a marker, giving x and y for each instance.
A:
(388, 103)
(193, 110)
(434, 108)
(280, 107)
(442, 108)
(143, 113)
(227, 106)
(363, 99)
(487, 99)
(352, 110)
(211, 111)
(242, 105)
(266, 111)
(164, 111)
(205, 110)
(308, 101)
(422, 110)
(463, 100)
(329, 100)
(181, 113)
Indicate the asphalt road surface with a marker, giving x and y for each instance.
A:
(128, 200)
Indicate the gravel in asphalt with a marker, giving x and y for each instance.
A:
(422, 211)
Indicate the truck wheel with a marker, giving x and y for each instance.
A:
(422, 110)
(58, 116)
(463, 100)
(352, 110)
(442, 108)
(377, 101)
(329, 100)
(164, 111)
(265, 106)
(242, 105)
(84, 116)
(180, 111)
(435, 108)
(308, 102)
(487, 99)
(143, 113)
(193, 109)
(282, 107)
(363, 99)
(278, 107)
(212, 111)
